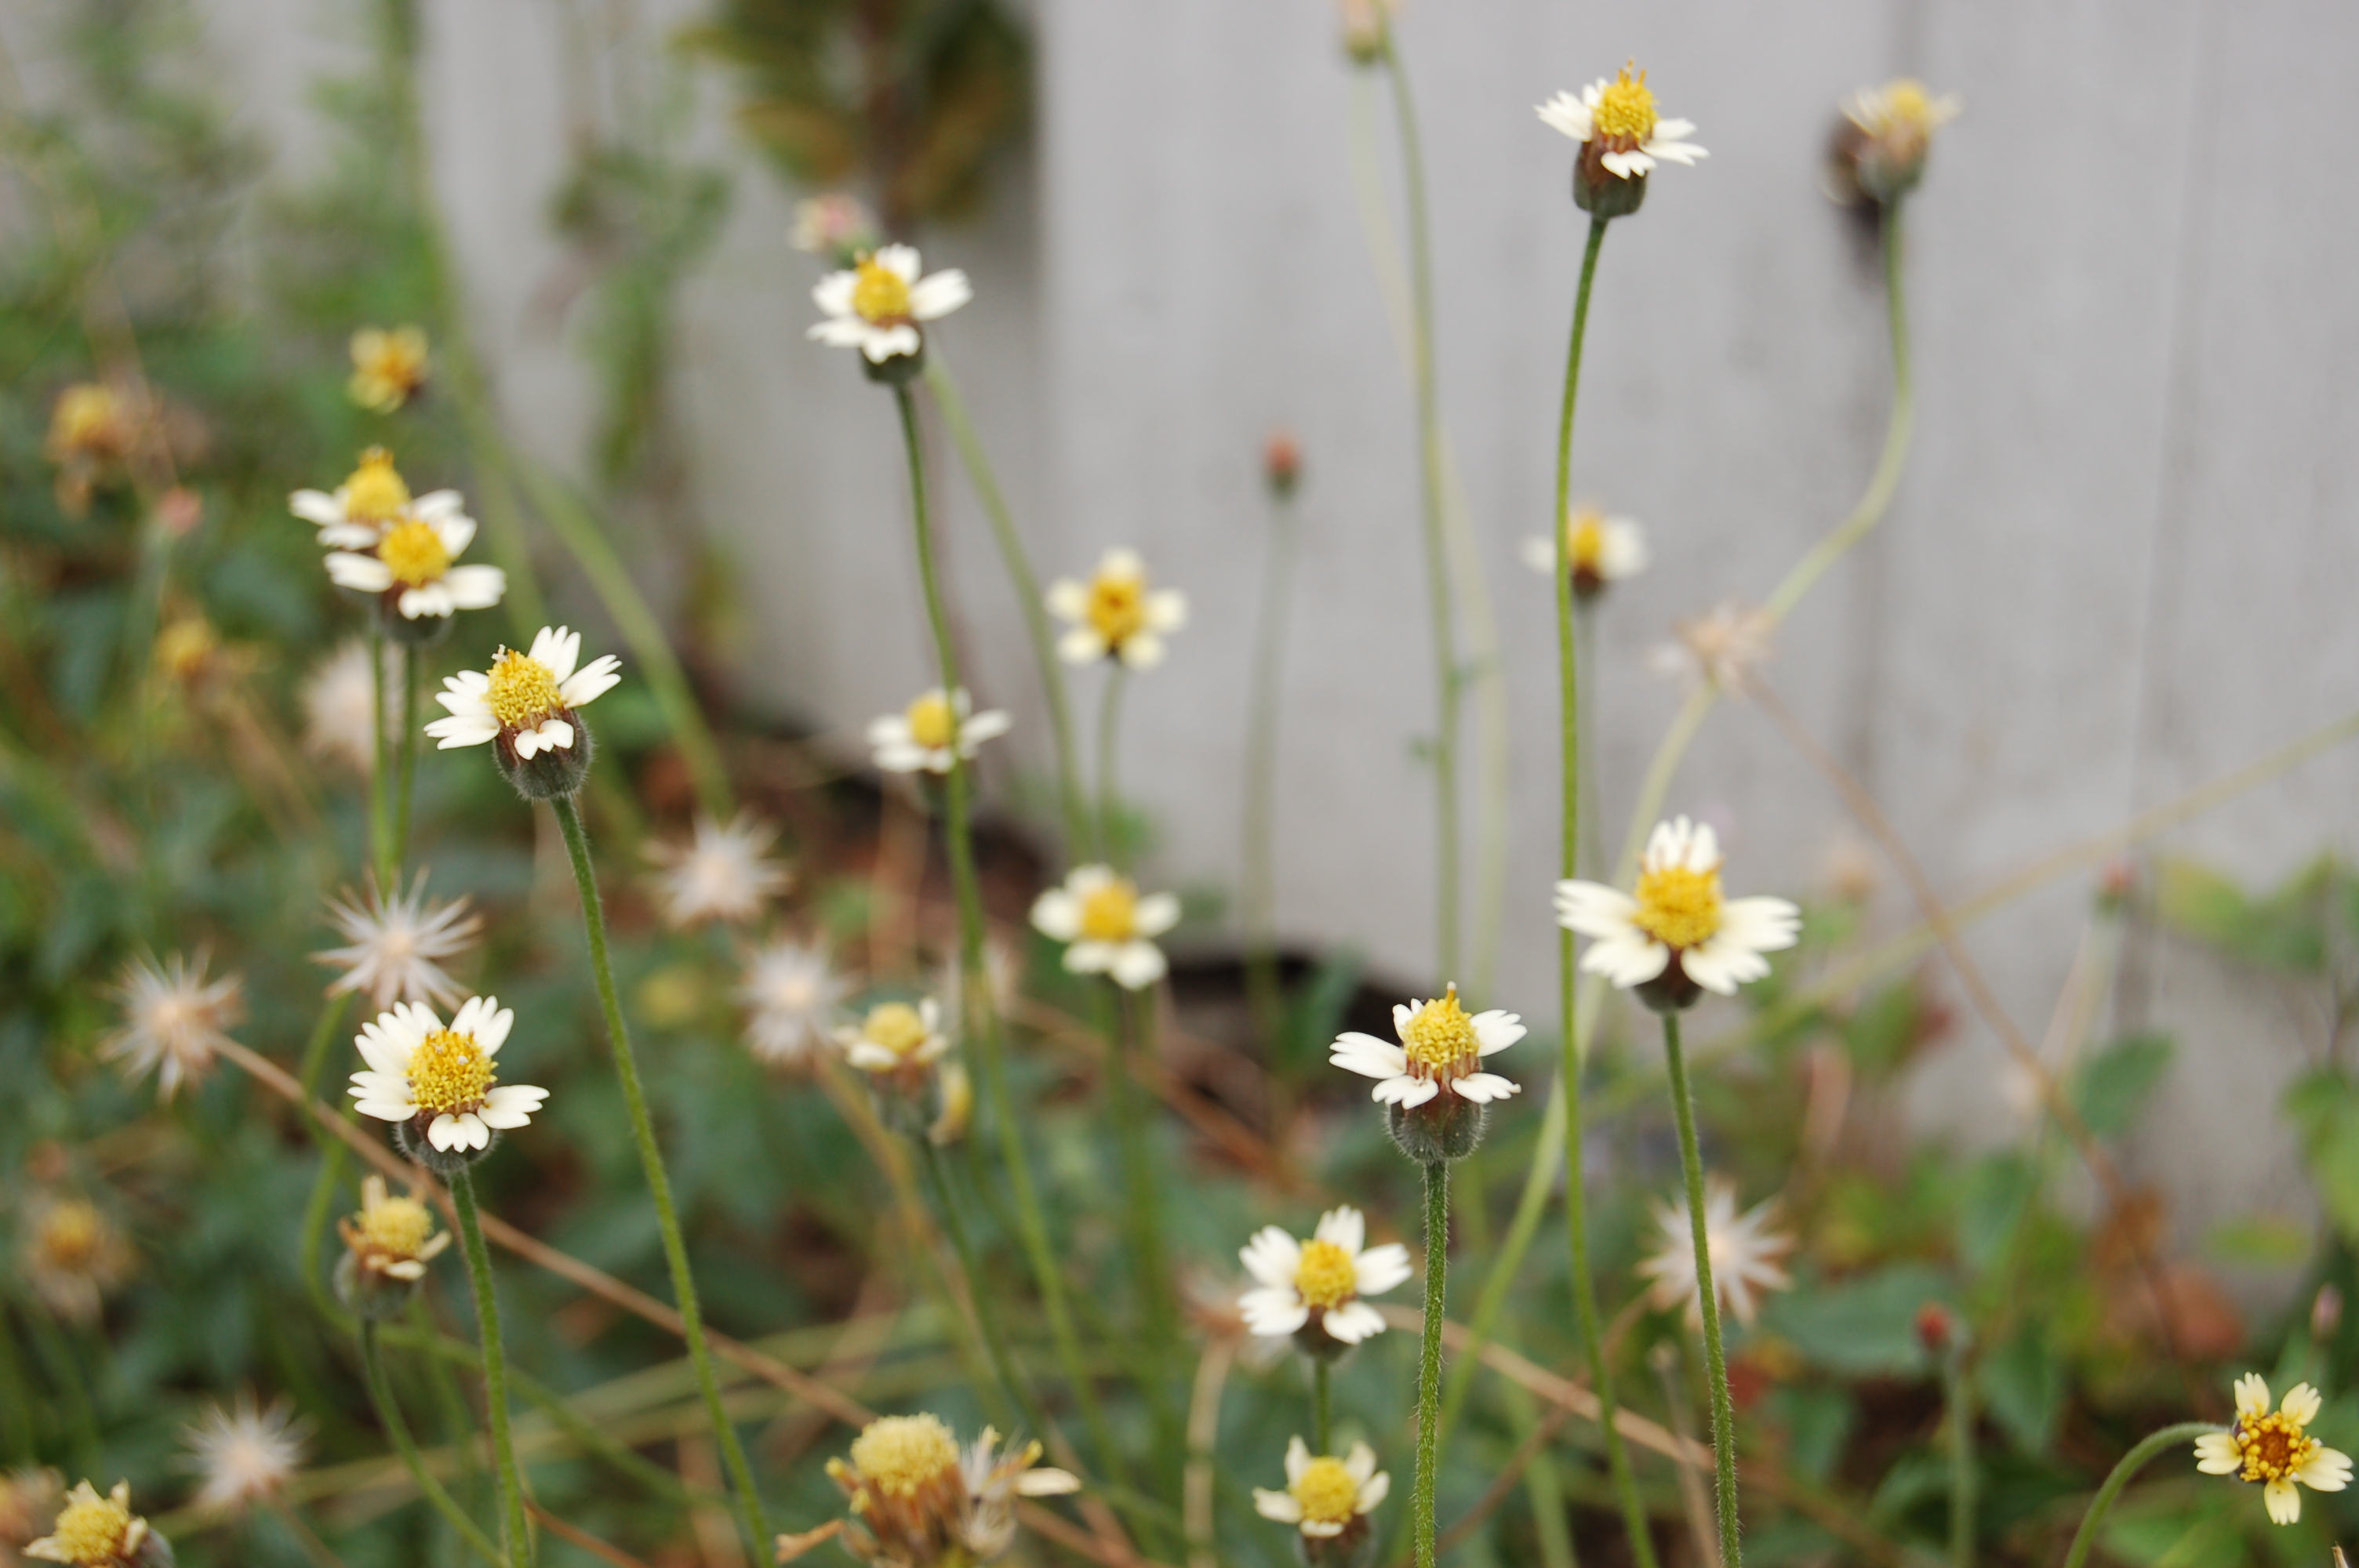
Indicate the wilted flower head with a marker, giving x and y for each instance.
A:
(340, 712)
(837, 225)
(2274, 1449)
(1325, 1498)
(1116, 615)
(397, 944)
(1879, 150)
(1320, 1287)
(172, 1020)
(1367, 26)
(94, 1531)
(1744, 1253)
(790, 991)
(720, 874)
(1108, 928)
(387, 367)
(74, 1255)
(1676, 933)
(1720, 649)
(916, 1501)
(1622, 138)
(246, 1455)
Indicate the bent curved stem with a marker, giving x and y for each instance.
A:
(397, 1428)
(2086, 1539)
(513, 1525)
(1724, 1409)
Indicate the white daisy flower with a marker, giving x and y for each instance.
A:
(1441, 1051)
(877, 305)
(790, 991)
(339, 706)
(393, 1236)
(526, 701)
(397, 944)
(1109, 928)
(918, 1500)
(1617, 123)
(173, 1020)
(1325, 1497)
(411, 565)
(1602, 551)
(419, 1071)
(722, 873)
(246, 1455)
(1323, 1281)
(93, 1532)
(1744, 1249)
(1721, 649)
(896, 1038)
(2273, 1449)
(1116, 615)
(918, 737)
(356, 514)
(1679, 927)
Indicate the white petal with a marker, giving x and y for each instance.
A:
(447, 1132)
(1279, 1506)
(594, 680)
(1057, 915)
(833, 293)
(1298, 1459)
(1381, 1268)
(1090, 957)
(1272, 1257)
(1344, 1226)
(1367, 1055)
(935, 297)
(316, 506)
(1273, 1313)
(455, 731)
(1484, 1087)
(2283, 1499)
(456, 531)
(1592, 909)
(363, 574)
(476, 587)
(901, 261)
(1405, 1091)
(1156, 913)
(1139, 965)
(1496, 1031)
(1081, 645)
(1626, 961)
(1068, 599)
(1376, 1490)
(2302, 1404)
(1142, 651)
(1352, 1322)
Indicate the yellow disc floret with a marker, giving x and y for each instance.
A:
(413, 552)
(1327, 1492)
(1440, 1038)
(928, 719)
(1678, 907)
(449, 1073)
(1117, 608)
(375, 494)
(1625, 110)
(85, 419)
(396, 1227)
(1110, 913)
(2274, 1447)
(71, 1233)
(900, 1029)
(523, 690)
(1326, 1276)
(1586, 547)
(90, 1529)
(901, 1455)
(879, 295)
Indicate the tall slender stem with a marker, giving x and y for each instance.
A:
(389, 1414)
(983, 1018)
(380, 770)
(1322, 1423)
(2086, 1539)
(1576, 1201)
(518, 1532)
(1437, 548)
(1429, 1363)
(1957, 1397)
(1003, 1364)
(1110, 835)
(1132, 1026)
(642, 1132)
(1258, 873)
(1724, 1409)
(409, 775)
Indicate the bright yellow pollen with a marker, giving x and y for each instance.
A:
(523, 690)
(1110, 913)
(901, 1455)
(1118, 608)
(397, 1227)
(2274, 1447)
(1678, 907)
(413, 552)
(1440, 1035)
(450, 1073)
(1625, 110)
(1327, 1492)
(928, 719)
(900, 1029)
(89, 1530)
(70, 1234)
(1326, 1276)
(1588, 544)
(1908, 104)
(375, 494)
(881, 296)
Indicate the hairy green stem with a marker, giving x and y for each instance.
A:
(1257, 869)
(642, 1132)
(1715, 1358)
(514, 1527)
(380, 769)
(1428, 1362)
(388, 1414)
(1110, 836)
(2085, 1540)
(1322, 1426)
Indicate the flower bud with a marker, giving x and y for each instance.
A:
(1281, 464)
(1935, 1328)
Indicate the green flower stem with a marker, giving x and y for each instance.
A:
(1109, 753)
(1131, 1032)
(1958, 1398)
(1003, 1365)
(1257, 871)
(1447, 675)
(495, 1368)
(333, 1154)
(2085, 1540)
(1429, 1366)
(1576, 1202)
(1724, 1409)
(1028, 598)
(380, 822)
(388, 1414)
(1322, 1426)
(643, 1132)
(407, 780)
(983, 1018)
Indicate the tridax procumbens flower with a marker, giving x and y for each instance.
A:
(879, 304)
(73, 1255)
(387, 367)
(1319, 1288)
(896, 1041)
(411, 569)
(355, 514)
(1599, 551)
(394, 1237)
(1622, 138)
(1325, 1497)
(1881, 150)
(1678, 933)
(1440, 1053)
(439, 1083)
(2273, 1449)
(93, 1532)
(173, 1020)
(920, 1501)
(1108, 926)
(1116, 615)
(1744, 1250)
(720, 874)
(527, 705)
(397, 944)
(918, 739)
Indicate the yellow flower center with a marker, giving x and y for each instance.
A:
(900, 1456)
(183, 648)
(523, 690)
(1678, 907)
(1908, 104)
(1110, 913)
(900, 1029)
(1587, 546)
(880, 294)
(375, 494)
(928, 719)
(89, 1530)
(1327, 1492)
(412, 551)
(70, 1234)
(1326, 1276)
(84, 417)
(2274, 1447)
(397, 1227)
(399, 356)
(1118, 608)
(450, 1073)
(1440, 1038)
(1625, 110)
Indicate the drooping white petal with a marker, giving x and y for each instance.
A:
(1351, 1323)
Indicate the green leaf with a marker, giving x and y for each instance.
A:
(2284, 929)
(2022, 1385)
(2324, 1109)
(2111, 1087)
(1865, 1326)
(1992, 1204)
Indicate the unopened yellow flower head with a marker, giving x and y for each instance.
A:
(387, 367)
(386, 1247)
(1880, 148)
